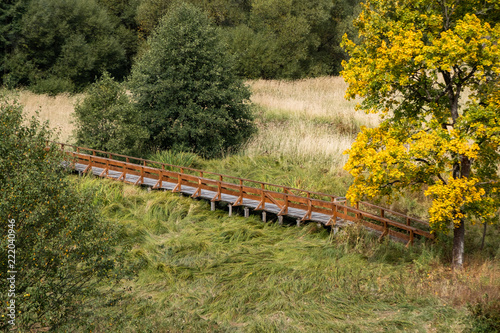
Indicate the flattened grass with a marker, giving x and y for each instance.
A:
(202, 271)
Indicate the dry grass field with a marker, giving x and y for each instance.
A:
(308, 119)
(57, 110)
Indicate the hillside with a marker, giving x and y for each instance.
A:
(202, 271)
(196, 270)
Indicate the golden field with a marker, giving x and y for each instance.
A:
(306, 119)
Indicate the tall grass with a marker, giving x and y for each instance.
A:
(202, 271)
(308, 120)
(58, 110)
(318, 99)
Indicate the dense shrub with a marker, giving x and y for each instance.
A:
(107, 120)
(72, 40)
(62, 245)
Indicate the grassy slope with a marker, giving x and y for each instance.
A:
(202, 271)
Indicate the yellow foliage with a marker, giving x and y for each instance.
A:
(412, 66)
(450, 200)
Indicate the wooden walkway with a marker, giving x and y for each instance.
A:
(298, 204)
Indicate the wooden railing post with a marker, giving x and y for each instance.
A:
(179, 181)
(411, 238)
(307, 215)
(219, 188)
(263, 196)
(334, 212)
(286, 201)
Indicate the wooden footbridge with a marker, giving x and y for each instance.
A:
(298, 204)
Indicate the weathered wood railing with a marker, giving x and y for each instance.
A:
(378, 218)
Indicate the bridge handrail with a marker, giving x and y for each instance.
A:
(335, 202)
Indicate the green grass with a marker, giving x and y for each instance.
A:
(202, 271)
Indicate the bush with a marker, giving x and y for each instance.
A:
(52, 86)
(485, 316)
(62, 245)
(106, 119)
(184, 159)
(186, 90)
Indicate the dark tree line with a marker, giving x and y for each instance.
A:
(63, 45)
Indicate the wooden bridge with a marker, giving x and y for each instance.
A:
(301, 205)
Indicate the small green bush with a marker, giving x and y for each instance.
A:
(107, 120)
(484, 316)
(53, 86)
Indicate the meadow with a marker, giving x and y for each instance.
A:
(303, 120)
(202, 271)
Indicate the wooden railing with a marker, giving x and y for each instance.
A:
(378, 218)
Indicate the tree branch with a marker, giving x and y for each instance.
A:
(429, 164)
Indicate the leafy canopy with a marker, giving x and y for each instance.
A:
(186, 90)
(431, 69)
(63, 246)
(64, 44)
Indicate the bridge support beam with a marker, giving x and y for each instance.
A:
(246, 212)
(298, 222)
(280, 219)
(230, 210)
(212, 205)
(264, 217)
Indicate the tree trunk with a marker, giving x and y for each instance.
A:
(459, 232)
(458, 245)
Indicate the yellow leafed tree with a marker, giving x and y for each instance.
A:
(431, 68)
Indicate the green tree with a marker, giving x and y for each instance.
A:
(65, 44)
(62, 246)
(227, 13)
(432, 69)
(107, 120)
(281, 36)
(149, 13)
(186, 90)
(329, 54)
(122, 14)
(11, 12)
